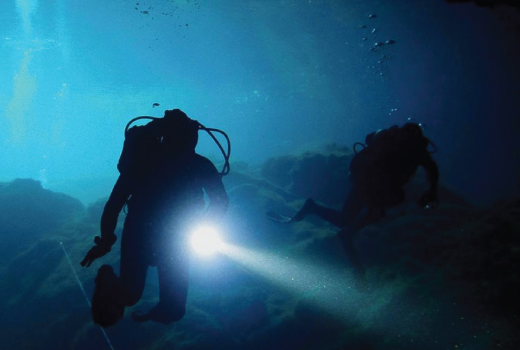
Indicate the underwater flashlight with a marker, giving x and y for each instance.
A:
(206, 241)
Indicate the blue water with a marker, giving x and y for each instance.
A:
(277, 76)
(280, 77)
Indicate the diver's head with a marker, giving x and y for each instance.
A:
(413, 134)
(179, 132)
(413, 130)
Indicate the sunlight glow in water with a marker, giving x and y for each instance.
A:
(26, 9)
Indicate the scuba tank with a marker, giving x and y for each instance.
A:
(381, 148)
(142, 145)
(372, 137)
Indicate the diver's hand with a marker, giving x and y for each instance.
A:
(429, 200)
(102, 247)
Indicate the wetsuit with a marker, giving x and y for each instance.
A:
(162, 209)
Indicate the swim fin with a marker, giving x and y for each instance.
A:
(106, 306)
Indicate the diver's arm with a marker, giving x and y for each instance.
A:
(115, 203)
(218, 198)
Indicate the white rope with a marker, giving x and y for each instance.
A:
(83, 290)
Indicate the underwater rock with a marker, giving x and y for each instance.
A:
(95, 210)
(278, 170)
(28, 212)
(245, 316)
(27, 271)
(488, 258)
(454, 251)
(321, 175)
(239, 178)
(475, 256)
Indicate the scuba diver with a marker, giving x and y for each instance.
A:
(378, 173)
(162, 182)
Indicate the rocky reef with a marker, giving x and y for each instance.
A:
(440, 278)
(28, 213)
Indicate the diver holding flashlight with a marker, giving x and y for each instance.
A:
(162, 180)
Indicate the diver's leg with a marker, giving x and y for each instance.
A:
(311, 207)
(134, 263)
(173, 271)
(354, 204)
(347, 239)
(370, 216)
(113, 293)
(353, 220)
(173, 286)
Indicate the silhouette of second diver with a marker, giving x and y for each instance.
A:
(378, 173)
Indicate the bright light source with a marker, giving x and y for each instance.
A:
(206, 241)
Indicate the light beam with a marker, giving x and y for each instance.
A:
(206, 241)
